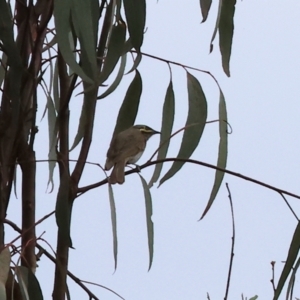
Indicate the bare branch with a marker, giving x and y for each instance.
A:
(84, 189)
(273, 276)
(232, 244)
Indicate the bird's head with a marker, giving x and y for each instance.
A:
(146, 130)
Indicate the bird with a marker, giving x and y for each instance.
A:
(126, 147)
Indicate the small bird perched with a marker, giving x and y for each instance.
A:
(126, 147)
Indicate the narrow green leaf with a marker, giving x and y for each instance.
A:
(196, 119)
(12, 286)
(205, 7)
(223, 152)
(216, 25)
(63, 208)
(81, 127)
(117, 80)
(289, 262)
(95, 14)
(150, 227)
(3, 61)
(226, 28)
(81, 11)
(62, 14)
(56, 97)
(130, 105)
(87, 112)
(166, 130)
(136, 63)
(86, 28)
(23, 282)
(114, 51)
(30, 287)
(127, 46)
(289, 292)
(5, 258)
(52, 134)
(135, 11)
(15, 181)
(113, 223)
(254, 297)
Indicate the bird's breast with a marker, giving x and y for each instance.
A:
(134, 159)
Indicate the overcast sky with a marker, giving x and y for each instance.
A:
(191, 258)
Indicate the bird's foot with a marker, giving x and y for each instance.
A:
(138, 169)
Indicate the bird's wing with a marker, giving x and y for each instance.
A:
(123, 147)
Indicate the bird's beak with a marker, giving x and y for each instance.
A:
(156, 132)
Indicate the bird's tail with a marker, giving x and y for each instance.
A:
(117, 174)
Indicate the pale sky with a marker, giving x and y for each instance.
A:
(191, 258)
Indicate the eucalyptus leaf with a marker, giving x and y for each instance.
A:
(226, 28)
(130, 105)
(113, 223)
(223, 152)
(216, 25)
(3, 61)
(86, 24)
(150, 227)
(135, 11)
(114, 50)
(290, 288)
(52, 134)
(29, 285)
(205, 7)
(166, 130)
(62, 13)
(289, 262)
(195, 123)
(87, 111)
(117, 80)
(5, 259)
(136, 62)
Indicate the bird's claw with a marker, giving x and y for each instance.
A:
(138, 169)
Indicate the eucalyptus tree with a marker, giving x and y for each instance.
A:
(54, 48)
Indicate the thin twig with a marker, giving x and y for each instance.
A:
(102, 286)
(291, 209)
(175, 133)
(178, 64)
(34, 225)
(82, 190)
(273, 276)
(232, 244)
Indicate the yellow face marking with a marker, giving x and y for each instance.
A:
(145, 130)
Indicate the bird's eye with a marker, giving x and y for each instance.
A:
(145, 130)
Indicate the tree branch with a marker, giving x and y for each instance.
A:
(178, 64)
(232, 244)
(84, 189)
